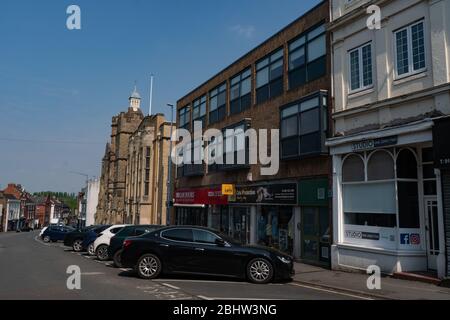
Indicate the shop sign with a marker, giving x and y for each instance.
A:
(207, 196)
(283, 194)
(374, 143)
(412, 239)
(362, 235)
(441, 132)
(228, 189)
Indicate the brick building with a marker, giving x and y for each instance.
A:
(147, 172)
(282, 84)
(111, 207)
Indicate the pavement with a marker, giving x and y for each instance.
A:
(33, 270)
(356, 283)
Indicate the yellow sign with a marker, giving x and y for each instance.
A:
(228, 190)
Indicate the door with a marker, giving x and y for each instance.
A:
(432, 231)
(240, 224)
(310, 234)
(177, 250)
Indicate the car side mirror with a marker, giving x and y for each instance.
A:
(220, 242)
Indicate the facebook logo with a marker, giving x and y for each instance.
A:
(404, 238)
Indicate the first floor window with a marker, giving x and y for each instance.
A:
(410, 49)
(269, 76)
(361, 68)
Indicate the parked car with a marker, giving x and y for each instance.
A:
(116, 242)
(75, 238)
(196, 250)
(56, 233)
(90, 237)
(42, 231)
(101, 244)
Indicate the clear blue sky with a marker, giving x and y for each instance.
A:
(59, 86)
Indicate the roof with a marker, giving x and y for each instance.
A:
(135, 94)
(10, 197)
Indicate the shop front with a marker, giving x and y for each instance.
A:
(192, 205)
(315, 220)
(265, 215)
(441, 131)
(386, 208)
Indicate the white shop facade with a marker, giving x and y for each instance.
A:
(386, 205)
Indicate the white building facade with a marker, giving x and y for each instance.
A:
(93, 188)
(390, 85)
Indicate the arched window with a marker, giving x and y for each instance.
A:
(406, 165)
(353, 169)
(380, 166)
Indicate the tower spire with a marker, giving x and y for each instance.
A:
(135, 99)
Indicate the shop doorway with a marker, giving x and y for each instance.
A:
(315, 234)
(432, 231)
(240, 224)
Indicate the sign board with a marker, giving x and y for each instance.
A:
(228, 189)
(281, 194)
(441, 141)
(374, 143)
(211, 196)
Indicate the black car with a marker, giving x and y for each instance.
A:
(75, 239)
(202, 251)
(116, 243)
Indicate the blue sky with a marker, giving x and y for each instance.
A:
(60, 88)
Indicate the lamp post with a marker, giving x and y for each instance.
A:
(169, 163)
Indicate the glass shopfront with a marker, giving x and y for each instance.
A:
(191, 216)
(275, 225)
(231, 220)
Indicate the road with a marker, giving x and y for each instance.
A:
(33, 270)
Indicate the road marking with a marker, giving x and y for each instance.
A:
(170, 286)
(331, 291)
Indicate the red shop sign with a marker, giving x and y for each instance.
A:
(200, 197)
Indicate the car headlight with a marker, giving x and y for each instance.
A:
(284, 260)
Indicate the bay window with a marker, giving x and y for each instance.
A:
(303, 127)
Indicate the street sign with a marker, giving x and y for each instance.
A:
(228, 190)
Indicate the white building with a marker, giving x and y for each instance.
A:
(12, 213)
(389, 87)
(93, 188)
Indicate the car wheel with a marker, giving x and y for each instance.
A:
(77, 245)
(148, 267)
(117, 259)
(260, 271)
(102, 252)
(90, 249)
(47, 239)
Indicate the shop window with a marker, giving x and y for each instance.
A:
(276, 228)
(353, 169)
(380, 167)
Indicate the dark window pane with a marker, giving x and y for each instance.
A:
(221, 113)
(408, 205)
(310, 143)
(246, 102)
(317, 68)
(353, 169)
(289, 127)
(235, 106)
(276, 88)
(297, 77)
(309, 121)
(428, 171)
(427, 155)
(289, 147)
(371, 219)
(262, 94)
(204, 237)
(380, 167)
(429, 188)
(406, 165)
(179, 235)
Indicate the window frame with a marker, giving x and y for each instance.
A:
(361, 86)
(229, 167)
(321, 96)
(411, 70)
(197, 105)
(182, 112)
(239, 84)
(220, 89)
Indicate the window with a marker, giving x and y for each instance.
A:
(193, 165)
(184, 117)
(269, 77)
(408, 190)
(429, 177)
(307, 57)
(235, 147)
(116, 230)
(199, 110)
(204, 237)
(361, 68)
(147, 172)
(410, 49)
(303, 127)
(217, 104)
(240, 92)
(184, 235)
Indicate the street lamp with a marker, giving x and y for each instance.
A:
(169, 163)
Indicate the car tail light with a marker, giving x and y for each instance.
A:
(126, 243)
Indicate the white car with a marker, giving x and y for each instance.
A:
(101, 244)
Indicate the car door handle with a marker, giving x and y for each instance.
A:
(199, 249)
(164, 245)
